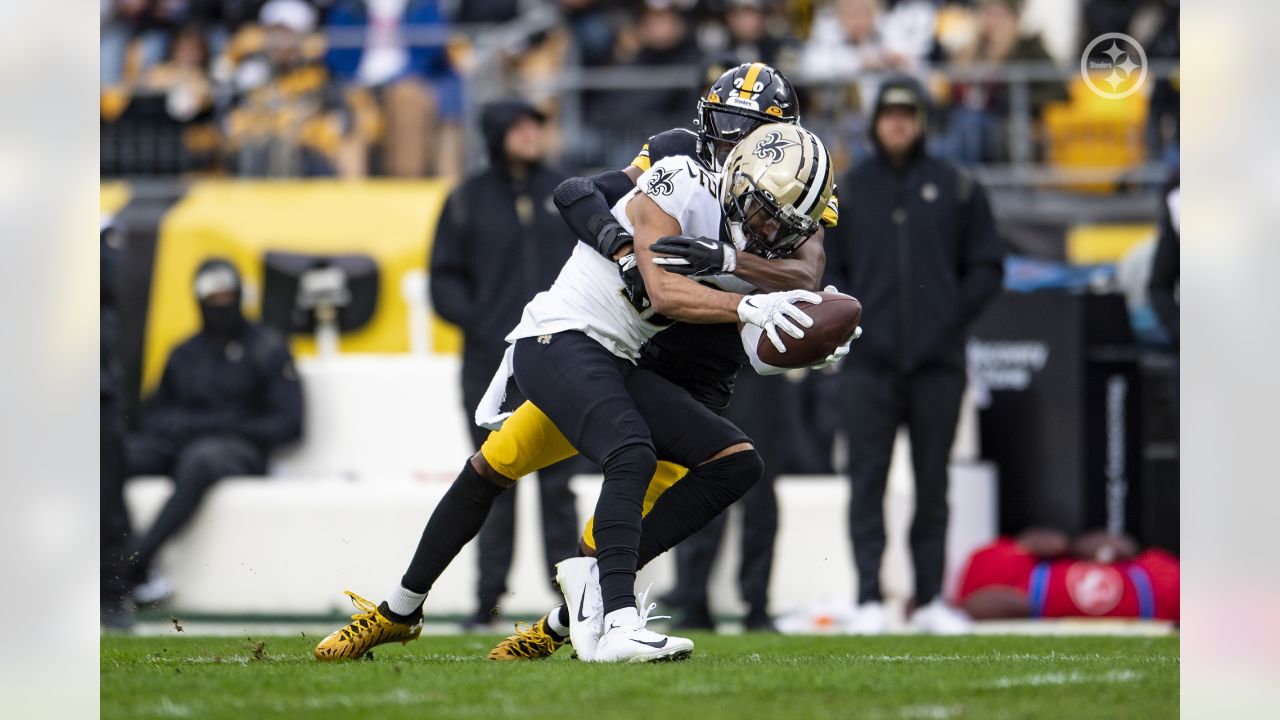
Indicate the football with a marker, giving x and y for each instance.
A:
(835, 320)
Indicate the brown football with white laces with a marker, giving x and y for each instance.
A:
(835, 320)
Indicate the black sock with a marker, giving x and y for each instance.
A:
(454, 522)
(617, 525)
(696, 499)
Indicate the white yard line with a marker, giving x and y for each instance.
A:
(1061, 678)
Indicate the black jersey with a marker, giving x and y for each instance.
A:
(702, 359)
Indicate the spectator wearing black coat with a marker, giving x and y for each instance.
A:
(116, 608)
(499, 242)
(918, 246)
(229, 395)
(1163, 285)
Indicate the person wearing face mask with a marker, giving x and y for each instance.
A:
(228, 396)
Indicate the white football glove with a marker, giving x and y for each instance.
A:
(844, 349)
(776, 310)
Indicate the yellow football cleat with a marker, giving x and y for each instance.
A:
(529, 643)
(368, 628)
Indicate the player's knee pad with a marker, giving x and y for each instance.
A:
(734, 474)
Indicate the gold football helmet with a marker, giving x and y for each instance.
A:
(775, 187)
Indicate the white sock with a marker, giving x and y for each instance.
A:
(623, 617)
(553, 622)
(405, 602)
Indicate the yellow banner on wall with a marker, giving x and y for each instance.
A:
(390, 221)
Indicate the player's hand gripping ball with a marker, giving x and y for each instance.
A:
(835, 321)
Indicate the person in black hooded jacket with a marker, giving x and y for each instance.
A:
(499, 242)
(919, 248)
(229, 395)
(116, 607)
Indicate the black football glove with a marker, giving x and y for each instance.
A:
(635, 291)
(695, 256)
(632, 283)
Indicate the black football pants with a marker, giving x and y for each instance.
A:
(876, 402)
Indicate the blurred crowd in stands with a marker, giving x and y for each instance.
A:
(353, 88)
(399, 88)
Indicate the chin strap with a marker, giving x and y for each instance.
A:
(737, 236)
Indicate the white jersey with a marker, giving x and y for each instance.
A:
(588, 294)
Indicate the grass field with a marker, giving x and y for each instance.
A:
(743, 677)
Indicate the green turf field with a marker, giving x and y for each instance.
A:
(742, 677)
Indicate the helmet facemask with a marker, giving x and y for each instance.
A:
(721, 127)
(758, 225)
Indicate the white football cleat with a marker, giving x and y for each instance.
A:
(629, 641)
(579, 581)
(939, 618)
(155, 590)
(869, 618)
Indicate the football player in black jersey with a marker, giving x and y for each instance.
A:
(701, 360)
(704, 360)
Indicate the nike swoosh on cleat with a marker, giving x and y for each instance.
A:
(582, 601)
(658, 645)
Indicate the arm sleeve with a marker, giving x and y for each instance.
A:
(1162, 287)
(586, 205)
(161, 406)
(280, 420)
(982, 259)
(451, 283)
(166, 416)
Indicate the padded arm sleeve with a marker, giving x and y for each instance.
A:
(585, 203)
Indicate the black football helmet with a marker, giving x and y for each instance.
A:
(741, 100)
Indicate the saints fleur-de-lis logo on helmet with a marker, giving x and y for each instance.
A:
(660, 183)
(771, 148)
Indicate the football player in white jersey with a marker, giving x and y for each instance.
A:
(528, 440)
(576, 344)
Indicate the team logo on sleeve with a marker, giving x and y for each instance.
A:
(660, 183)
(771, 148)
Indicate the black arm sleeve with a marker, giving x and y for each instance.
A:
(451, 283)
(982, 271)
(585, 203)
(1162, 287)
(167, 416)
(280, 418)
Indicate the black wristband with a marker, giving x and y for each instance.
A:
(609, 234)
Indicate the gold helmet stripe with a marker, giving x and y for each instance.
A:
(749, 82)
